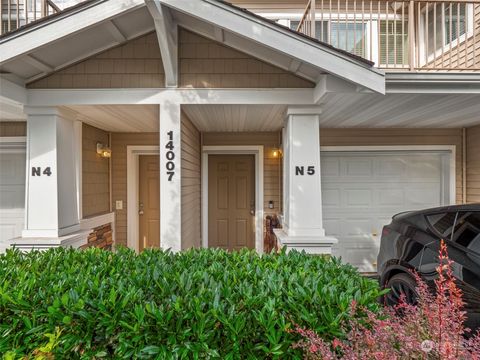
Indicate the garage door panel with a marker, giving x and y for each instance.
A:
(358, 167)
(424, 196)
(330, 197)
(362, 191)
(332, 226)
(389, 168)
(390, 196)
(358, 197)
(12, 193)
(330, 167)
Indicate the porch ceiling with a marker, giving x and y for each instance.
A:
(226, 118)
(400, 110)
(119, 118)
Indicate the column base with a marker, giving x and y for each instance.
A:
(62, 232)
(43, 243)
(309, 244)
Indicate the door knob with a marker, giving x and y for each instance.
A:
(140, 212)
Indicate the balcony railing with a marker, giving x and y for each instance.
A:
(410, 35)
(16, 13)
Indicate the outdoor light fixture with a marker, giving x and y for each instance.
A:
(276, 153)
(103, 150)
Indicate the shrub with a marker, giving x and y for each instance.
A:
(431, 329)
(196, 304)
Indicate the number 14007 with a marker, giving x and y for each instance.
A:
(170, 156)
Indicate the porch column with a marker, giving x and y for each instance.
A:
(302, 221)
(170, 177)
(51, 192)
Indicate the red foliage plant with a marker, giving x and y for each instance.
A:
(431, 329)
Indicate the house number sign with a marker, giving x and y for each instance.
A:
(170, 156)
(38, 171)
(300, 170)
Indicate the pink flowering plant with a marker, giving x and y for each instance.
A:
(431, 329)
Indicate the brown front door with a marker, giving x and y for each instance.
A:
(149, 201)
(231, 201)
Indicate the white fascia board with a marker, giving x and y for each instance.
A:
(43, 97)
(167, 36)
(289, 43)
(60, 26)
(12, 91)
(433, 83)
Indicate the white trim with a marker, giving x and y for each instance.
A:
(13, 143)
(58, 97)
(59, 27)
(410, 148)
(96, 221)
(167, 36)
(133, 153)
(256, 150)
(78, 131)
(12, 91)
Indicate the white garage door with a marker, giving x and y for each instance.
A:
(12, 191)
(361, 191)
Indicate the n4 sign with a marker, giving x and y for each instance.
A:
(37, 171)
(300, 170)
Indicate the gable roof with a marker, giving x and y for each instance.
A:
(59, 40)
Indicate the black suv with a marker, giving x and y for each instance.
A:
(412, 241)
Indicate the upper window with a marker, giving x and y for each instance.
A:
(345, 35)
(444, 26)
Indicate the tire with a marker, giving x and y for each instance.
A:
(401, 284)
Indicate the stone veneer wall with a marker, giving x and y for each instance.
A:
(100, 237)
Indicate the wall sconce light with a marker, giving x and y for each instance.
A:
(103, 150)
(276, 153)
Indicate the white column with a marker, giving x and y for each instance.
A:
(51, 190)
(170, 177)
(302, 221)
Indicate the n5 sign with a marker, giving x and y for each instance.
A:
(300, 170)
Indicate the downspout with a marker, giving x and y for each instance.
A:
(464, 165)
(110, 187)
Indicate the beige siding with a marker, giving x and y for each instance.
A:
(13, 128)
(119, 175)
(191, 185)
(473, 164)
(135, 64)
(272, 166)
(372, 137)
(95, 173)
(467, 54)
(205, 63)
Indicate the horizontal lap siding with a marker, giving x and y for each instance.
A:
(95, 173)
(272, 178)
(13, 128)
(205, 63)
(473, 165)
(191, 184)
(392, 137)
(135, 64)
(120, 141)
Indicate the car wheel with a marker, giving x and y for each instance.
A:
(401, 284)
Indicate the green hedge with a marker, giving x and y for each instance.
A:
(194, 304)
